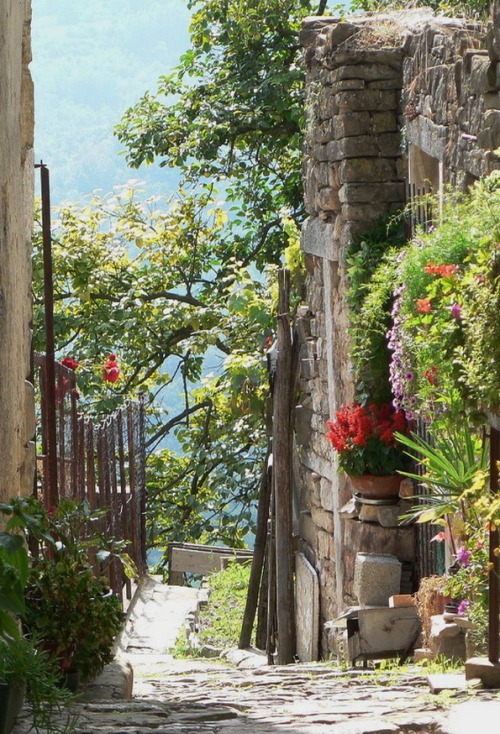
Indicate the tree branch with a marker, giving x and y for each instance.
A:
(173, 421)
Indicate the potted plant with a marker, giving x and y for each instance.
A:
(363, 437)
(69, 607)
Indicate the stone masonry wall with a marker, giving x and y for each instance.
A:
(381, 89)
(17, 414)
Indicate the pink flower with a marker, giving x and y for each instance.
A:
(439, 537)
(462, 607)
(463, 557)
(456, 311)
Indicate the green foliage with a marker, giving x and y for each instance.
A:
(169, 288)
(14, 565)
(149, 281)
(451, 461)
(237, 116)
(68, 608)
(447, 335)
(220, 620)
(371, 267)
(23, 662)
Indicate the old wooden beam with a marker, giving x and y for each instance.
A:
(284, 394)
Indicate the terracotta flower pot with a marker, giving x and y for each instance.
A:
(11, 701)
(377, 487)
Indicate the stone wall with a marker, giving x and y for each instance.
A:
(391, 99)
(16, 214)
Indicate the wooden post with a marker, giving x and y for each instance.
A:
(284, 389)
(494, 601)
(271, 585)
(259, 550)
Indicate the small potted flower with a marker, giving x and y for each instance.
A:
(363, 437)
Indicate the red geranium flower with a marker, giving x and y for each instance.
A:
(424, 305)
(70, 363)
(111, 371)
(364, 438)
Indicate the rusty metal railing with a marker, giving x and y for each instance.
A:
(103, 463)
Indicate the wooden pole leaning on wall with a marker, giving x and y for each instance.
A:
(259, 552)
(284, 392)
(51, 485)
(494, 600)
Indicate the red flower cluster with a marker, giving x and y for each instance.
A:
(70, 363)
(445, 271)
(431, 375)
(424, 305)
(356, 425)
(111, 371)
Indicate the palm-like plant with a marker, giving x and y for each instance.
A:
(452, 460)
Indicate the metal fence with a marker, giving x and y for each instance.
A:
(103, 463)
(430, 555)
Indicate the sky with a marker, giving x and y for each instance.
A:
(91, 61)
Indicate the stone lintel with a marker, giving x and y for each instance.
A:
(428, 136)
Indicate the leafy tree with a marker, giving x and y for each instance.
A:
(236, 117)
(145, 281)
(168, 289)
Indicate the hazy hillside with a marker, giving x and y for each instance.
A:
(91, 60)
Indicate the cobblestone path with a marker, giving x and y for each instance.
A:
(214, 697)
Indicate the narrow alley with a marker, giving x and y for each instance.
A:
(242, 694)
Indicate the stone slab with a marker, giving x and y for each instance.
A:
(487, 672)
(446, 682)
(318, 238)
(306, 609)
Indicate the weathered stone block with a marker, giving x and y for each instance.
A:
(377, 576)
(384, 122)
(390, 145)
(359, 170)
(385, 57)
(447, 638)
(354, 147)
(491, 126)
(491, 101)
(347, 85)
(303, 429)
(307, 528)
(326, 494)
(369, 72)
(340, 33)
(367, 100)
(364, 192)
(322, 518)
(357, 123)
(489, 675)
(325, 547)
(318, 238)
(328, 199)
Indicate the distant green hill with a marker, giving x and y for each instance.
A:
(91, 60)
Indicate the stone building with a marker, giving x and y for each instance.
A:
(17, 414)
(392, 100)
